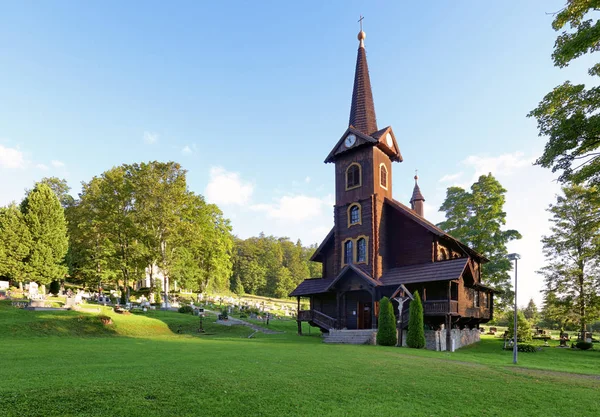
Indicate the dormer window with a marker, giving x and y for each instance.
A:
(353, 176)
(383, 174)
(354, 214)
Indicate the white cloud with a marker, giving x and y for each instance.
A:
(505, 164)
(186, 150)
(57, 164)
(307, 180)
(226, 187)
(450, 177)
(150, 138)
(43, 167)
(293, 208)
(11, 158)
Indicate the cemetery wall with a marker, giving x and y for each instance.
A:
(436, 339)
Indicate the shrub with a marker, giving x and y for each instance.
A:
(186, 310)
(524, 347)
(416, 331)
(55, 287)
(243, 316)
(386, 329)
(584, 345)
(523, 327)
(224, 314)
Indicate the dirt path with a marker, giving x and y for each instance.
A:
(237, 322)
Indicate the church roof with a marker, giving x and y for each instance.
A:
(362, 109)
(431, 227)
(362, 274)
(416, 195)
(432, 271)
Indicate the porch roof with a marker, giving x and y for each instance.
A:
(433, 271)
(359, 272)
(312, 286)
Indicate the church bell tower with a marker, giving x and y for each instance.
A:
(363, 159)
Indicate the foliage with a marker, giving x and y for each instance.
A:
(186, 310)
(54, 287)
(416, 330)
(531, 312)
(60, 188)
(477, 219)
(224, 314)
(237, 287)
(524, 347)
(523, 327)
(568, 115)
(386, 327)
(584, 345)
(572, 252)
(15, 244)
(46, 222)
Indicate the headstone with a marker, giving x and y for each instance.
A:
(70, 302)
(4, 285)
(33, 289)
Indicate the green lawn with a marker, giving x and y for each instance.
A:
(68, 363)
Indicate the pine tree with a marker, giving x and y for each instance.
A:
(386, 327)
(15, 244)
(416, 331)
(238, 288)
(45, 219)
(523, 327)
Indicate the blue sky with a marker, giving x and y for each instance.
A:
(251, 96)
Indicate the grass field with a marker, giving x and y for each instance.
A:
(68, 363)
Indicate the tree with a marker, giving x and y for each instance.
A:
(55, 287)
(61, 190)
(284, 283)
(523, 327)
(46, 222)
(416, 330)
(531, 312)
(568, 115)
(477, 218)
(15, 244)
(571, 275)
(386, 326)
(237, 287)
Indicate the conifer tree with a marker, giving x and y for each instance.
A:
(386, 328)
(15, 244)
(416, 331)
(45, 219)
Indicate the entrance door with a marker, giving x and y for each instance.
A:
(365, 318)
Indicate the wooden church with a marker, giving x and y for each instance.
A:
(380, 247)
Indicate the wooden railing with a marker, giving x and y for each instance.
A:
(323, 320)
(436, 307)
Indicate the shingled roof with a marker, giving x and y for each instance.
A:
(432, 271)
(362, 110)
(312, 286)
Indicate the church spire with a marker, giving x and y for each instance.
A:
(417, 199)
(362, 110)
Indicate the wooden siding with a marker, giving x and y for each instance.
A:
(404, 241)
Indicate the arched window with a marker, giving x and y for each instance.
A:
(361, 250)
(353, 179)
(383, 174)
(354, 214)
(348, 252)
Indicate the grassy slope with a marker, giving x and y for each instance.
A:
(140, 367)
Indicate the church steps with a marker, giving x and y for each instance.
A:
(351, 337)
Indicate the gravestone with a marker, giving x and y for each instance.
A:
(70, 302)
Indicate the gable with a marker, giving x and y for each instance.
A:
(392, 151)
(319, 255)
(361, 141)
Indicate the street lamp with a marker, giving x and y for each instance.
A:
(515, 257)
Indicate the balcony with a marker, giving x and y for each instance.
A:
(440, 307)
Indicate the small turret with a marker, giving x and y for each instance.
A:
(417, 199)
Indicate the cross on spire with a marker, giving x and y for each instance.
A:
(360, 21)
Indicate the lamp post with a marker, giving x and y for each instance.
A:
(515, 257)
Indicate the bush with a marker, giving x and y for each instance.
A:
(224, 314)
(243, 316)
(584, 345)
(524, 347)
(523, 327)
(386, 329)
(186, 310)
(416, 331)
(55, 287)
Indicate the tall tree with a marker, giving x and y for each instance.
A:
(477, 219)
(45, 219)
(568, 115)
(572, 273)
(15, 244)
(531, 312)
(61, 190)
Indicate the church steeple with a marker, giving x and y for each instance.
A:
(417, 199)
(362, 110)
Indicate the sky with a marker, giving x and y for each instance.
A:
(250, 97)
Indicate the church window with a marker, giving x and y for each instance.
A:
(354, 215)
(348, 252)
(383, 174)
(476, 298)
(353, 176)
(361, 250)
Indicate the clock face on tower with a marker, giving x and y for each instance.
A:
(350, 140)
(389, 141)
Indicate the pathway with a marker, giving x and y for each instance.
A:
(235, 322)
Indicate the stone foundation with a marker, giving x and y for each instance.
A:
(436, 339)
